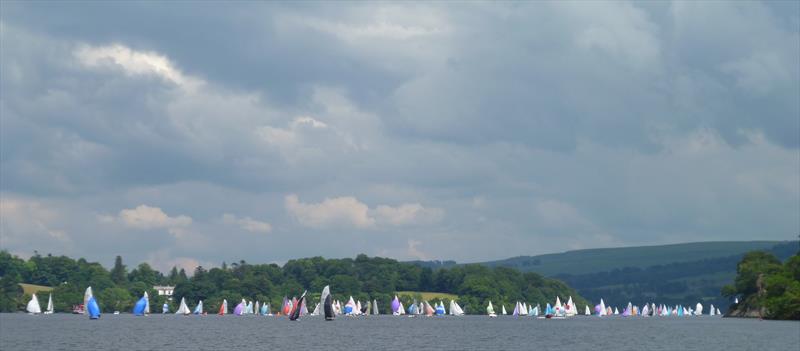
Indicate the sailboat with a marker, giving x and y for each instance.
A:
(183, 309)
(395, 306)
(140, 306)
(264, 310)
(375, 307)
(50, 308)
(490, 310)
(327, 304)
(548, 311)
(698, 309)
(524, 310)
(503, 309)
(298, 307)
(429, 311)
(455, 309)
(569, 309)
(350, 307)
(147, 304)
(516, 309)
(558, 309)
(303, 308)
(587, 312)
(86, 296)
(165, 308)
(92, 308)
(257, 308)
(199, 308)
(718, 312)
(239, 309)
(440, 311)
(358, 310)
(33, 305)
(535, 311)
(223, 308)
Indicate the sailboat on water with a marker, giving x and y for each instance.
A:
(326, 301)
(50, 308)
(183, 309)
(199, 308)
(490, 310)
(503, 309)
(455, 309)
(33, 305)
(295, 314)
(395, 306)
(375, 307)
(223, 308)
(587, 312)
(139, 309)
(86, 296)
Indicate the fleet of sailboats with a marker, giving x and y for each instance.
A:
(330, 308)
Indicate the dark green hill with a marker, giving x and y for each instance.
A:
(601, 260)
(669, 274)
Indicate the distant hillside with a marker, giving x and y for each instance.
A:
(670, 274)
(600, 260)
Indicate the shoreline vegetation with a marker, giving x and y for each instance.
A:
(364, 278)
(765, 287)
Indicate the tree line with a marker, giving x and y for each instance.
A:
(365, 278)
(763, 283)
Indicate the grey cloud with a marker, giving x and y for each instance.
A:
(578, 125)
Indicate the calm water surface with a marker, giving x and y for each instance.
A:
(169, 332)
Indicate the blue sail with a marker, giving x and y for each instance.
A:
(93, 308)
(138, 308)
(264, 309)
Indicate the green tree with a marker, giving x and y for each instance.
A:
(119, 274)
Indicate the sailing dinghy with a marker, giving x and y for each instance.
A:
(50, 308)
(33, 305)
(199, 308)
(183, 309)
(490, 310)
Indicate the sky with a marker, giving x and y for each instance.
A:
(192, 133)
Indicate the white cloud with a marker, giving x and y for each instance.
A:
(350, 211)
(247, 223)
(406, 214)
(146, 217)
(133, 62)
(336, 211)
(22, 220)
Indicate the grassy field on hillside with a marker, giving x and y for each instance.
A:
(429, 296)
(30, 288)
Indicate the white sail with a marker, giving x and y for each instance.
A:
(49, 305)
(402, 309)
(455, 309)
(33, 305)
(524, 310)
(616, 311)
(183, 309)
(571, 308)
(490, 309)
(86, 296)
(358, 307)
(718, 312)
(503, 310)
(588, 312)
(375, 307)
(146, 303)
(698, 309)
(602, 308)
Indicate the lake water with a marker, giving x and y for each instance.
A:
(169, 332)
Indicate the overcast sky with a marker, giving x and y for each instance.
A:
(196, 133)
